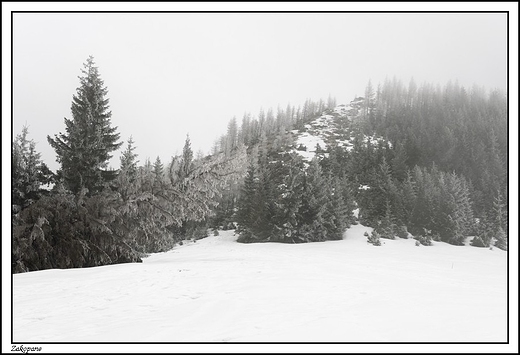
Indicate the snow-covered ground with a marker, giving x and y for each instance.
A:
(218, 290)
(324, 129)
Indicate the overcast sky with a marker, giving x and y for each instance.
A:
(170, 74)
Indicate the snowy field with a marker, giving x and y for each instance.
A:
(217, 290)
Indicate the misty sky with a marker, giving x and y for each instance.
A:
(170, 74)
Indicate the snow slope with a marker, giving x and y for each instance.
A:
(218, 290)
(325, 129)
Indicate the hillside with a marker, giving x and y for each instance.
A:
(426, 161)
(334, 127)
(218, 290)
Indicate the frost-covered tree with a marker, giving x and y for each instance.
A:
(386, 227)
(457, 206)
(500, 222)
(231, 141)
(29, 172)
(373, 238)
(313, 206)
(247, 204)
(158, 168)
(126, 180)
(89, 139)
(336, 212)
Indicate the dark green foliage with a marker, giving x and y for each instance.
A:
(484, 231)
(460, 130)
(283, 201)
(402, 232)
(501, 239)
(247, 204)
(158, 171)
(176, 205)
(445, 166)
(499, 217)
(86, 147)
(386, 228)
(337, 212)
(463, 133)
(193, 230)
(479, 242)
(442, 205)
(142, 213)
(29, 173)
(311, 217)
(425, 238)
(399, 163)
(64, 231)
(374, 238)
(126, 182)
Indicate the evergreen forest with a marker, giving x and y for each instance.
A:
(428, 162)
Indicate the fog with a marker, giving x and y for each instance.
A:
(173, 74)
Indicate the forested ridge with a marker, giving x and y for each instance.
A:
(421, 161)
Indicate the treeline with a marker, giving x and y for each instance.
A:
(97, 216)
(284, 199)
(439, 172)
(265, 132)
(425, 177)
(460, 130)
(269, 125)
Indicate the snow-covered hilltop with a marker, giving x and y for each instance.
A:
(332, 128)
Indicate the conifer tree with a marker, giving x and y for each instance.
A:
(288, 196)
(407, 196)
(29, 172)
(129, 158)
(455, 215)
(186, 159)
(500, 211)
(158, 174)
(336, 212)
(127, 178)
(158, 168)
(86, 146)
(312, 224)
(501, 239)
(500, 222)
(231, 141)
(424, 204)
(386, 226)
(398, 163)
(246, 214)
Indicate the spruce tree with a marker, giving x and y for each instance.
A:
(186, 159)
(158, 168)
(288, 196)
(129, 158)
(336, 213)
(158, 174)
(29, 172)
(386, 228)
(311, 214)
(86, 146)
(455, 216)
(407, 198)
(126, 180)
(500, 222)
(246, 205)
